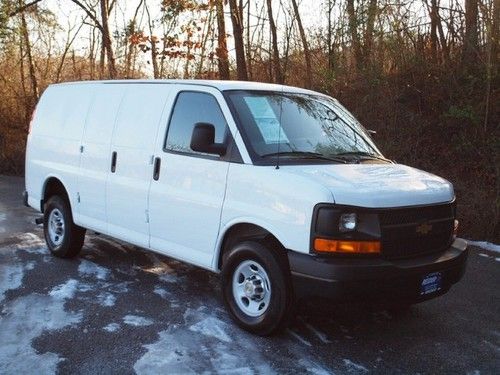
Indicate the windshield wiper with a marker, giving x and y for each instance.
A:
(306, 154)
(366, 155)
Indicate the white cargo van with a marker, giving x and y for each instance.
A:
(278, 188)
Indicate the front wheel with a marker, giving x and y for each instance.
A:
(63, 237)
(257, 288)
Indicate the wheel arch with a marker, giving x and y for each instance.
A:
(53, 186)
(245, 230)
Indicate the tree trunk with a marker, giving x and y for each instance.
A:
(471, 33)
(239, 46)
(433, 12)
(329, 40)
(370, 27)
(274, 39)
(29, 55)
(307, 54)
(106, 39)
(353, 30)
(153, 41)
(222, 59)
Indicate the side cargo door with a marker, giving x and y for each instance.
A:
(187, 192)
(95, 149)
(131, 161)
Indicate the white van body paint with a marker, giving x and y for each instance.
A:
(186, 213)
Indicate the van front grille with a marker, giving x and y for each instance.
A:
(410, 232)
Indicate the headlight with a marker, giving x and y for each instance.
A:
(345, 230)
(348, 222)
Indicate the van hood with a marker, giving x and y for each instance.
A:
(377, 185)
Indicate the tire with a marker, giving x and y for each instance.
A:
(63, 237)
(257, 289)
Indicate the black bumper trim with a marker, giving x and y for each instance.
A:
(375, 278)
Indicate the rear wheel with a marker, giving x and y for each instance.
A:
(63, 237)
(257, 288)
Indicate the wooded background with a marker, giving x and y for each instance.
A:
(422, 73)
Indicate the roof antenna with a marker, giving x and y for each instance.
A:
(279, 127)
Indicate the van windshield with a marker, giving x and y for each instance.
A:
(299, 126)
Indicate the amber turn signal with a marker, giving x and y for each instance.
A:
(348, 247)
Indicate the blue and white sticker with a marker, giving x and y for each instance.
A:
(431, 283)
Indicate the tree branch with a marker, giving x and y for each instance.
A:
(89, 13)
(23, 8)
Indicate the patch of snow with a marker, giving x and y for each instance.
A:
(485, 245)
(213, 327)
(106, 299)
(137, 321)
(484, 255)
(313, 368)
(193, 348)
(497, 259)
(31, 243)
(320, 335)
(354, 367)
(64, 291)
(37, 250)
(169, 355)
(118, 288)
(112, 327)
(84, 287)
(88, 268)
(3, 216)
(169, 278)
(11, 277)
(163, 293)
(298, 337)
(25, 319)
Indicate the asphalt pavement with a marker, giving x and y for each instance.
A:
(119, 309)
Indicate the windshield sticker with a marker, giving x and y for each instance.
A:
(266, 120)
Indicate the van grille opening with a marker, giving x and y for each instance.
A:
(414, 231)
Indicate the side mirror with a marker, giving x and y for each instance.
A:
(203, 140)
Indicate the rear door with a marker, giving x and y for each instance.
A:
(187, 195)
(131, 161)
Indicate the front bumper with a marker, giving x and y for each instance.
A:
(375, 279)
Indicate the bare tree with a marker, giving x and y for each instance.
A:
(103, 26)
(303, 37)
(29, 55)
(239, 45)
(222, 57)
(353, 29)
(471, 33)
(274, 40)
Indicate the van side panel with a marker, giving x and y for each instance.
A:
(96, 156)
(55, 139)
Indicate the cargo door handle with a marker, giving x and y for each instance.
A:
(113, 162)
(156, 169)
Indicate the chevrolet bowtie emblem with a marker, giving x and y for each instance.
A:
(424, 228)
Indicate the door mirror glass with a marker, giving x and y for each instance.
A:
(203, 140)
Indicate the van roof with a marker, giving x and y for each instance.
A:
(220, 85)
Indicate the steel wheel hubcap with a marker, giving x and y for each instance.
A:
(56, 227)
(251, 288)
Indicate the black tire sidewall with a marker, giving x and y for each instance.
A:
(64, 248)
(273, 317)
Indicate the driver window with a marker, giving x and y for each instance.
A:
(189, 109)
